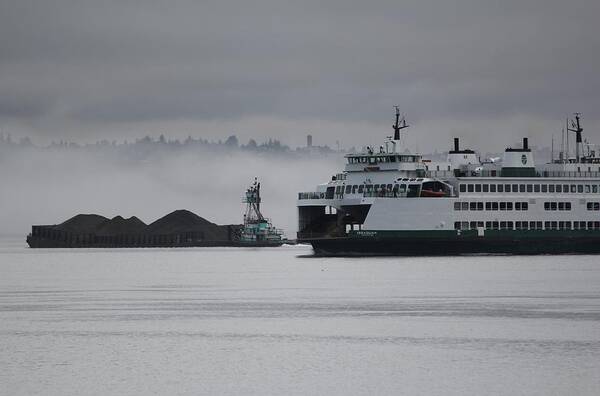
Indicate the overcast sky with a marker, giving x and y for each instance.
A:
(489, 71)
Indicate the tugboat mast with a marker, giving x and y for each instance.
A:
(252, 201)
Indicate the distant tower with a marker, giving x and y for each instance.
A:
(308, 140)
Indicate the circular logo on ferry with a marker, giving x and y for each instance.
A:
(524, 159)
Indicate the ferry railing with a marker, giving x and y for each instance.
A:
(498, 173)
(569, 174)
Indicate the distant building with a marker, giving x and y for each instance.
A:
(308, 141)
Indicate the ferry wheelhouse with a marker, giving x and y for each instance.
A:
(390, 201)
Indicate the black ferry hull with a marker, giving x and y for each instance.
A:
(449, 243)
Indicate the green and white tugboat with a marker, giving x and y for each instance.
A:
(258, 230)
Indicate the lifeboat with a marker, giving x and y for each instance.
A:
(432, 194)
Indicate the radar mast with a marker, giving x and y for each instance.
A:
(400, 124)
(576, 127)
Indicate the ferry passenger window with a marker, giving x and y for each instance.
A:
(480, 224)
(551, 188)
(494, 205)
(473, 206)
(536, 188)
(376, 187)
(348, 189)
(488, 225)
(515, 188)
(567, 205)
(561, 206)
(530, 188)
(554, 225)
(477, 187)
(502, 205)
(596, 225)
(479, 205)
(369, 187)
(402, 188)
(470, 188)
(594, 189)
(354, 188)
(588, 189)
(590, 225)
(473, 225)
(566, 188)
(521, 187)
(389, 187)
(413, 190)
(546, 205)
(488, 206)
(457, 225)
(575, 225)
(524, 206)
(580, 188)
(492, 188)
(507, 188)
(495, 225)
(590, 206)
(573, 188)
(553, 205)
(456, 205)
(465, 205)
(596, 205)
(559, 188)
(532, 225)
(509, 206)
(517, 205)
(517, 225)
(538, 225)
(544, 188)
(509, 224)
(464, 225)
(503, 225)
(582, 225)
(361, 188)
(486, 188)
(463, 188)
(500, 188)
(392, 159)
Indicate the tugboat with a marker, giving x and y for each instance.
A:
(257, 230)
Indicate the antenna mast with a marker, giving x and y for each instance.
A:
(397, 126)
(575, 127)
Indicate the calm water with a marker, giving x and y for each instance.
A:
(243, 321)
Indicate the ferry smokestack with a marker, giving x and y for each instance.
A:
(456, 144)
(525, 144)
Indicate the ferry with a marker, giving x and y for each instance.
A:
(389, 201)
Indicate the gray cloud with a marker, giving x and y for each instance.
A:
(87, 68)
